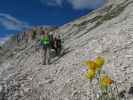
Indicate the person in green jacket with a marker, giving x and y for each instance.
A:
(45, 42)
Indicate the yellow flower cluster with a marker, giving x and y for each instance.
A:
(105, 80)
(94, 70)
(94, 66)
(90, 74)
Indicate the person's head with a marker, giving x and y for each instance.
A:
(50, 32)
(45, 32)
(42, 32)
(57, 34)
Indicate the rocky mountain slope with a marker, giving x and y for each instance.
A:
(107, 32)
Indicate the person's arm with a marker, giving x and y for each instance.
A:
(41, 41)
(61, 38)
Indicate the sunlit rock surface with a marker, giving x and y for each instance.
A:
(107, 31)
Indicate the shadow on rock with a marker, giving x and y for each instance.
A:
(65, 51)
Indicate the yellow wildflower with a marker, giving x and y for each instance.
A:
(91, 65)
(99, 61)
(105, 81)
(110, 81)
(90, 74)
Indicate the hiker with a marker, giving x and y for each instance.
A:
(34, 33)
(18, 37)
(45, 42)
(51, 40)
(26, 37)
(29, 34)
(23, 36)
(57, 43)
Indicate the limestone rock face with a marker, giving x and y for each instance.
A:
(107, 31)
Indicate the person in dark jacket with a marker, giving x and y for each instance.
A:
(57, 45)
